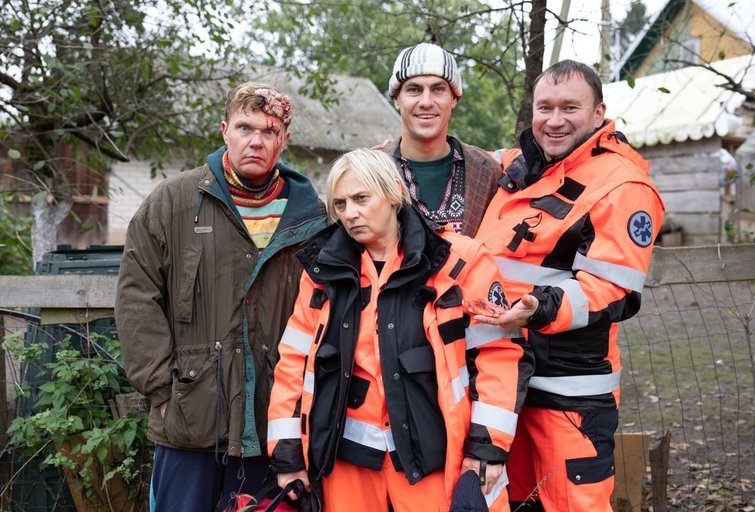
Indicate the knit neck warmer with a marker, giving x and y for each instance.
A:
(245, 193)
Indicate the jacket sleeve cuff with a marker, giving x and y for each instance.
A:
(288, 456)
(490, 453)
(547, 308)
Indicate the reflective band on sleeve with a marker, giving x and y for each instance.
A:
(578, 385)
(497, 154)
(309, 382)
(493, 416)
(532, 274)
(580, 306)
(368, 435)
(480, 334)
(459, 384)
(620, 275)
(284, 428)
(499, 486)
(301, 341)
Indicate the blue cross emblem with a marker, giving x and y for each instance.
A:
(640, 227)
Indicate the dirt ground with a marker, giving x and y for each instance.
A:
(687, 369)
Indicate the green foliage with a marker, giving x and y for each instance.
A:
(319, 39)
(73, 407)
(632, 24)
(110, 81)
(15, 240)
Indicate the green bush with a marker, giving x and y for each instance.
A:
(15, 241)
(74, 410)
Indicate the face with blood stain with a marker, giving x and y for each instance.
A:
(254, 141)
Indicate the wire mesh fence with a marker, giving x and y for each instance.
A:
(688, 371)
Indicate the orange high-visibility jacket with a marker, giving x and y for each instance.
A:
(579, 239)
(480, 372)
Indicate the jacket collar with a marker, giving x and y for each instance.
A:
(394, 149)
(604, 139)
(333, 254)
(301, 191)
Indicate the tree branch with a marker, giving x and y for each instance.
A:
(729, 83)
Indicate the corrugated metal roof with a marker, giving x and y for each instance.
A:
(362, 118)
(693, 108)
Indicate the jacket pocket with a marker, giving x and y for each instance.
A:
(192, 419)
(358, 388)
(188, 284)
(427, 429)
(590, 470)
(328, 359)
(420, 359)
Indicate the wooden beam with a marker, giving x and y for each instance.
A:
(630, 454)
(60, 291)
(670, 265)
(710, 263)
(659, 463)
(692, 201)
(52, 316)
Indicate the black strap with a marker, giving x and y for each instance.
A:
(297, 486)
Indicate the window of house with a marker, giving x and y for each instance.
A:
(689, 50)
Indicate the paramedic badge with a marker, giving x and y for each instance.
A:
(640, 228)
(496, 296)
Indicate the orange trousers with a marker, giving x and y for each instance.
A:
(350, 487)
(563, 459)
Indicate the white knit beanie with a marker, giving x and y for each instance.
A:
(424, 59)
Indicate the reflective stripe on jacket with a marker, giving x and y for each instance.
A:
(580, 239)
(480, 374)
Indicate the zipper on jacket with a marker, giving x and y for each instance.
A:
(218, 394)
(199, 206)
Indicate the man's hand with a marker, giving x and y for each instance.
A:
(492, 472)
(515, 317)
(378, 147)
(286, 478)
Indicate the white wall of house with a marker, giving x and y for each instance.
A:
(130, 183)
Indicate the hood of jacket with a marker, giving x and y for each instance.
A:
(604, 139)
(336, 255)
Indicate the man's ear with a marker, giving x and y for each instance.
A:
(600, 114)
(223, 130)
(284, 143)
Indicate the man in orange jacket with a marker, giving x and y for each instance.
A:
(572, 227)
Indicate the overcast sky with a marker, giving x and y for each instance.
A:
(583, 43)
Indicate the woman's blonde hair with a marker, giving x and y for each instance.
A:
(375, 170)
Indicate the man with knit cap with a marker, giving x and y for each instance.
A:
(206, 286)
(450, 182)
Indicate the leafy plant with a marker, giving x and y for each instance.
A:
(15, 240)
(73, 427)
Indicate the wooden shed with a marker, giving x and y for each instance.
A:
(688, 126)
